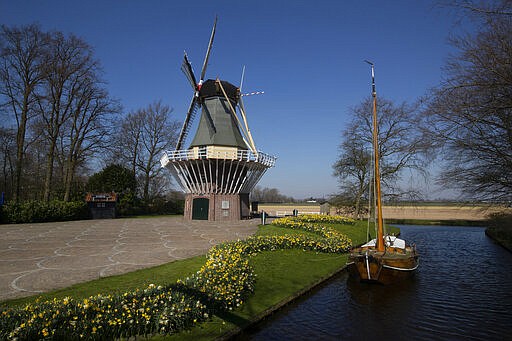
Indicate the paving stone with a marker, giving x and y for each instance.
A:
(40, 257)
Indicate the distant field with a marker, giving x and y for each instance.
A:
(439, 212)
(411, 211)
(287, 209)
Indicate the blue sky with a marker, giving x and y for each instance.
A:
(306, 55)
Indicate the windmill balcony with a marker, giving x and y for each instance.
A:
(217, 152)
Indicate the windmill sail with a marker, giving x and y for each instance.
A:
(191, 113)
(186, 67)
(205, 63)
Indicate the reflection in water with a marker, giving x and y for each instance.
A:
(462, 291)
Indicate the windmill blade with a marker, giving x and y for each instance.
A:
(242, 78)
(192, 109)
(252, 93)
(186, 67)
(205, 63)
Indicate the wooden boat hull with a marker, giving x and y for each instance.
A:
(392, 265)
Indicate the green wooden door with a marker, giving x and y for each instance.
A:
(200, 207)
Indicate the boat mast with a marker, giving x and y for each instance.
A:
(380, 222)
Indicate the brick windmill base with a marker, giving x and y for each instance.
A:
(217, 183)
(217, 207)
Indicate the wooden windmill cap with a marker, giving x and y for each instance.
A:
(211, 89)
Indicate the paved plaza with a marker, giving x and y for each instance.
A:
(35, 258)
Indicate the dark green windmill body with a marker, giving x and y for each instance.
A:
(222, 165)
(217, 125)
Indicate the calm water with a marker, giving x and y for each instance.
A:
(462, 291)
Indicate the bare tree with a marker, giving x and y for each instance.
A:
(159, 133)
(481, 7)
(68, 62)
(470, 113)
(87, 128)
(51, 90)
(21, 58)
(143, 136)
(400, 148)
(353, 169)
(127, 141)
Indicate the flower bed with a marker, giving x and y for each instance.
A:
(226, 277)
(315, 218)
(142, 312)
(223, 283)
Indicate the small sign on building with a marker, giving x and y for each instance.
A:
(102, 205)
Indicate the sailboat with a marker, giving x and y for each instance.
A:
(385, 259)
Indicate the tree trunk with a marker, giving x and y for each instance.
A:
(146, 184)
(20, 142)
(49, 171)
(20, 149)
(71, 165)
(69, 170)
(148, 169)
(4, 170)
(68, 179)
(358, 202)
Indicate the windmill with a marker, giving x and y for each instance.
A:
(222, 165)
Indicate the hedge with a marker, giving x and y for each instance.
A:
(39, 211)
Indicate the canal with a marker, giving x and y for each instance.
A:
(462, 291)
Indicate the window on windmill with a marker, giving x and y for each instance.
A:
(225, 204)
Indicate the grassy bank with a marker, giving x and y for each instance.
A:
(500, 230)
(280, 274)
(452, 222)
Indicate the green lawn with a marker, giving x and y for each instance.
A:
(280, 275)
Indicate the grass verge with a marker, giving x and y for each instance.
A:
(281, 274)
(500, 230)
(453, 222)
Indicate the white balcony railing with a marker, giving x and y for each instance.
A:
(199, 171)
(210, 152)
